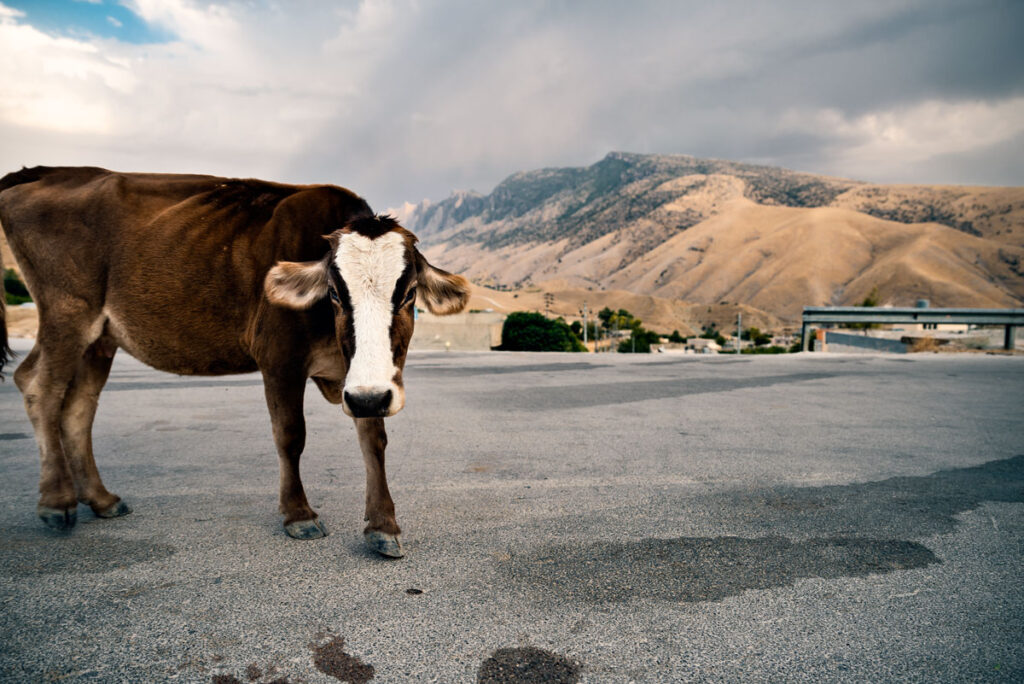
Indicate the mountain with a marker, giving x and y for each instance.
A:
(711, 232)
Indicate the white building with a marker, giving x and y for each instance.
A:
(703, 345)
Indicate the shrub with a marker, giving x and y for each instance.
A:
(755, 335)
(577, 330)
(871, 300)
(710, 332)
(640, 341)
(773, 349)
(528, 331)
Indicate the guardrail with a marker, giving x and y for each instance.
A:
(1010, 318)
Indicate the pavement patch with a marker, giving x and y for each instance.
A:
(188, 383)
(43, 553)
(527, 665)
(907, 507)
(467, 371)
(8, 436)
(691, 570)
(615, 393)
(854, 530)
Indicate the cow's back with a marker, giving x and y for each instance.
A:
(175, 263)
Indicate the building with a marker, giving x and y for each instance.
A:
(702, 345)
(476, 331)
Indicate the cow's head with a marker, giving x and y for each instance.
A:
(373, 275)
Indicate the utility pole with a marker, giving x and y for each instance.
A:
(584, 322)
(739, 331)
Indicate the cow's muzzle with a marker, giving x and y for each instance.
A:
(368, 403)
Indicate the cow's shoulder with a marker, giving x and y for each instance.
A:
(327, 202)
(305, 216)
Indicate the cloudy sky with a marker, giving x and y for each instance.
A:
(409, 99)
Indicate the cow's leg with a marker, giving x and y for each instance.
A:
(44, 378)
(382, 533)
(77, 416)
(284, 399)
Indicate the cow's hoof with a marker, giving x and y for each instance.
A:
(306, 529)
(58, 518)
(115, 510)
(389, 545)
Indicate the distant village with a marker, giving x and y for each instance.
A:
(619, 332)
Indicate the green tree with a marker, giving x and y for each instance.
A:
(577, 330)
(640, 339)
(757, 337)
(710, 332)
(528, 331)
(621, 319)
(676, 337)
(871, 300)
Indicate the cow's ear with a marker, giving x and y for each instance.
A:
(442, 292)
(296, 285)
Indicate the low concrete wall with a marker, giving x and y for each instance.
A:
(853, 343)
(460, 332)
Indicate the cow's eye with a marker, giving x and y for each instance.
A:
(334, 294)
(409, 297)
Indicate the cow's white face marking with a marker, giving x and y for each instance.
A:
(370, 269)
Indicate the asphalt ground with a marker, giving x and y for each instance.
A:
(596, 518)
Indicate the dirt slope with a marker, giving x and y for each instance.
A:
(768, 238)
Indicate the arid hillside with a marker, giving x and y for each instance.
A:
(706, 232)
(681, 242)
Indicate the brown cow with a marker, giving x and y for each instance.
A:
(199, 275)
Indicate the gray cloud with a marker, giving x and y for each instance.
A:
(483, 93)
(404, 100)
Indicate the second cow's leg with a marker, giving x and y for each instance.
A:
(77, 416)
(284, 400)
(382, 533)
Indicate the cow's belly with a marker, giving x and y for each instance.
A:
(171, 344)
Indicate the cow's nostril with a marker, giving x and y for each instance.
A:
(368, 404)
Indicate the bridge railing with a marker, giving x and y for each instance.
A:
(834, 315)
